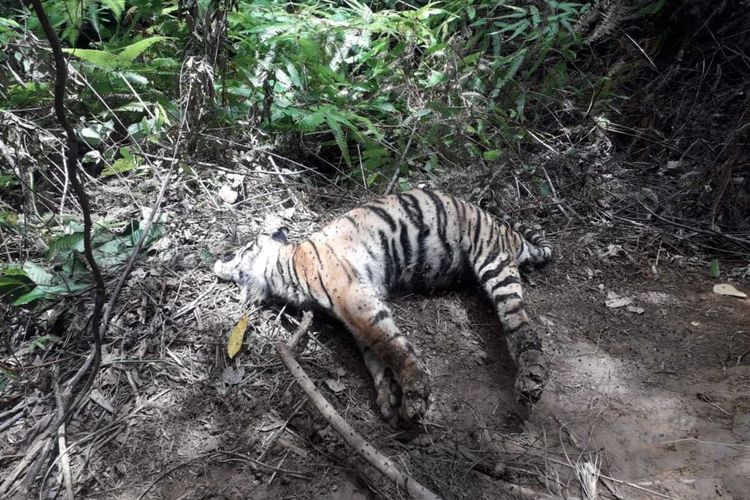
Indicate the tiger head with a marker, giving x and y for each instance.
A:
(247, 266)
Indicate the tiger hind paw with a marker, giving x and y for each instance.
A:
(531, 378)
(415, 390)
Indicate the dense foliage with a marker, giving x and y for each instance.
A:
(379, 89)
(374, 92)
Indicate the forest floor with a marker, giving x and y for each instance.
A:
(655, 392)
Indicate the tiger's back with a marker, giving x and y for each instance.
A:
(418, 239)
(425, 239)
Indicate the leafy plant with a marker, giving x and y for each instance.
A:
(66, 272)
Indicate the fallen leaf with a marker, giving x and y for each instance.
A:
(234, 344)
(335, 385)
(614, 301)
(232, 376)
(545, 320)
(98, 398)
(227, 194)
(635, 309)
(611, 251)
(270, 427)
(726, 289)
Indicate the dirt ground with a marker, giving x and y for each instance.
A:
(657, 394)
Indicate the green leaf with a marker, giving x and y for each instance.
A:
(10, 286)
(116, 6)
(9, 23)
(435, 78)
(36, 294)
(91, 136)
(338, 135)
(67, 243)
(99, 58)
(714, 269)
(37, 273)
(121, 165)
(129, 53)
(134, 78)
(42, 291)
(492, 155)
(7, 180)
(311, 121)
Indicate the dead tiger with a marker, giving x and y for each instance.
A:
(419, 239)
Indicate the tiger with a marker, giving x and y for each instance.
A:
(420, 239)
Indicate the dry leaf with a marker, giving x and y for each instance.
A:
(232, 376)
(98, 398)
(335, 385)
(726, 289)
(614, 301)
(234, 344)
(228, 194)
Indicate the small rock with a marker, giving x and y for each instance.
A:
(635, 309)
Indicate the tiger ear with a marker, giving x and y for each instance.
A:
(280, 234)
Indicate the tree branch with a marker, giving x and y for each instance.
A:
(346, 431)
(71, 163)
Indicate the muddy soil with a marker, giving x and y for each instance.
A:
(656, 393)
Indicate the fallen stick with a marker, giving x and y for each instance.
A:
(62, 445)
(342, 427)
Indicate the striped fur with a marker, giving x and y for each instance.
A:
(419, 239)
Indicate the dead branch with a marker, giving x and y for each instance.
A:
(62, 445)
(304, 325)
(346, 431)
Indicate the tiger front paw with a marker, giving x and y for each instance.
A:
(389, 398)
(531, 378)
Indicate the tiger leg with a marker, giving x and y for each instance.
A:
(400, 377)
(501, 280)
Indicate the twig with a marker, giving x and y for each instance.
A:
(62, 447)
(513, 489)
(397, 168)
(740, 242)
(209, 455)
(699, 441)
(618, 481)
(279, 431)
(347, 432)
(8, 487)
(302, 329)
(555, 199)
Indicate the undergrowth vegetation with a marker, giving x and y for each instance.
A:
(381, 89)
(371, 93)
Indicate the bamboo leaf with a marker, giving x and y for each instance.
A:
(129, 53)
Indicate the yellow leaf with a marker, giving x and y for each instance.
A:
(234, 344)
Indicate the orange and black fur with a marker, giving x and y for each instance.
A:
(419, 239)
